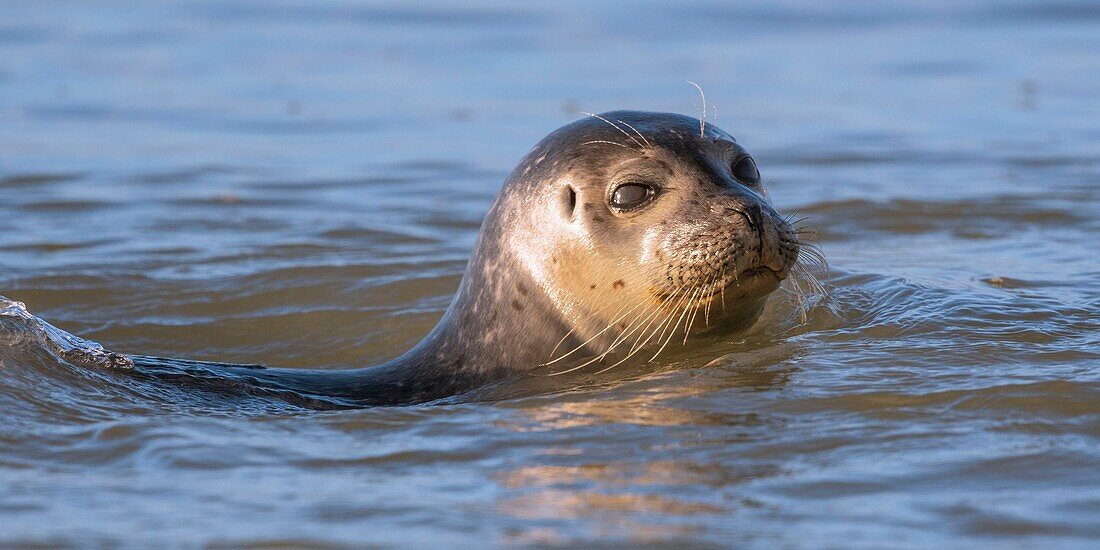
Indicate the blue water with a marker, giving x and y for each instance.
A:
(300, 184)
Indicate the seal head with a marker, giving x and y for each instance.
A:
(615, 233)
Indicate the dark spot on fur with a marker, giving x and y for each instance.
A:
(618, 284)
(517, 305)
(597, 219)
(593, 287)
(587, 206)
(622, 326)
(554, 259)
(522, 289)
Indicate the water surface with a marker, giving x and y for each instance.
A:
(299, 185)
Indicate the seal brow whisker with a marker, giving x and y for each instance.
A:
(609, 143)
(648, 144)
(703, 119)
(613, 125)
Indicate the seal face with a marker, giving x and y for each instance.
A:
(614, 236)
(636, 225)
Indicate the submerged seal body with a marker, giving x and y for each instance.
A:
(614, 236)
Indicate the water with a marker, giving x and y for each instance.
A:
(299, 184)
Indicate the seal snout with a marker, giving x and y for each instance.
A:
(767, 243)
(744, 244)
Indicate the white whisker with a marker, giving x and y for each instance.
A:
(625, 133)
(672, 332)
(636, 132)
(703, 119)
(609, 143)
(616, 319)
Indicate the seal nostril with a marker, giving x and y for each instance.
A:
(753, 217)
(756, 216)
(570, 201)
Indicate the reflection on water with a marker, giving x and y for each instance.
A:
(299, 184)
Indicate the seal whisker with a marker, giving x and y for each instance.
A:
(578, 367)
(634, 350)
(586, 342)
(691, 321)
(562, 341)
(811, 254)
(665, 324)
(799, 295)
(672, 333)
(609, 143)
(631, 353)
(599, 357)
(648, 144)
(636, 347)
(628, 331)
(714, 280)
(645, 318)
(638, 342)
(702, 119)
(811, 279)
(625, 133)
(581, 346)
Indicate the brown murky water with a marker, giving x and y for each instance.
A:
(298, 184)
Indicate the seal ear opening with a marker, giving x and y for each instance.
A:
(570, 200)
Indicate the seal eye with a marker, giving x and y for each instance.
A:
(745, 171)
(630, 196)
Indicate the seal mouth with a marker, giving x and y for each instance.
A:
(752, 281)
(758, 272)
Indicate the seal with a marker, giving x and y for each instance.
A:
(614, 236)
